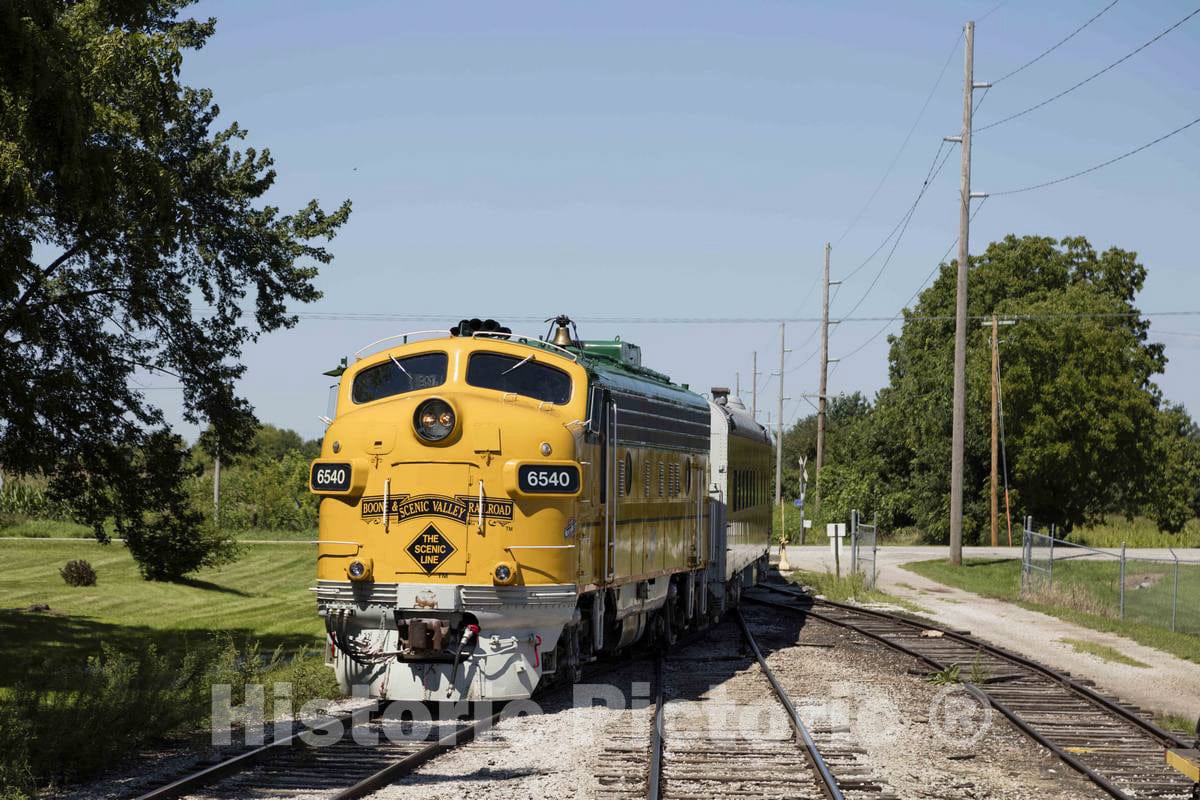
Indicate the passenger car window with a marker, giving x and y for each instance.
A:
(399, 376)
(522, 376)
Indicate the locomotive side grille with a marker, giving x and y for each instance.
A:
(496, 596)
(621, 478)
(381, 594)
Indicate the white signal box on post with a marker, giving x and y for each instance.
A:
(836, 531)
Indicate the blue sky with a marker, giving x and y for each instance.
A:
(690, 159)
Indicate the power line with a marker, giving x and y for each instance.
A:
(1045, 53)
(900, 236)
(1088, 79)
(995, 8)
(903, 144)
(724, 320)
(929, 175)
(1098, 166)
(920, 288)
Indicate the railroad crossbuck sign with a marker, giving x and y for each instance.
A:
(430, 549)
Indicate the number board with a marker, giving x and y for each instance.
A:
(548, 479)
(330, 477)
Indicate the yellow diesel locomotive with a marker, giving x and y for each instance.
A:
(499, 510)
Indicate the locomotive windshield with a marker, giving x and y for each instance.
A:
(399, 375)
(522, 376)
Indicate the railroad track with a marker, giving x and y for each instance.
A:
(371, 754)
(1117, 748)
(723, 726)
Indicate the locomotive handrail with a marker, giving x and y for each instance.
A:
(508, 337)
(540, 547)
(525, 340)
(358, 352)
(319, 542)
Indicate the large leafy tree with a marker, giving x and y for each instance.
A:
(844, 419)
(1080, 405)
(133, 231)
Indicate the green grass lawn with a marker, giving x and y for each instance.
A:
(1079, 581)
(847, 588)
(1138, 532)
(54, 529)
(263, 596)
(1102, 652)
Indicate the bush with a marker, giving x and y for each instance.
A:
(71, 722)
(167, 552)
(78, 573)
(261, 492)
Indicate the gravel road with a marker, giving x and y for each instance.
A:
(1170, 685)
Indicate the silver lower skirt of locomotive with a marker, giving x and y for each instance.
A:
(415, 631)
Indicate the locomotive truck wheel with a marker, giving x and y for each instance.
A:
(574, 654)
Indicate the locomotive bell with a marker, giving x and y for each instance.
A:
(562, 335)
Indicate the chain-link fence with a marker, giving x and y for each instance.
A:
(864, 542)
(1159, 591)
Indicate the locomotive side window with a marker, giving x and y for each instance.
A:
(400, 375)
(522, 376)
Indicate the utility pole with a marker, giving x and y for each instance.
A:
(995, 432)
(821, 391)
(754, 388)
(960, 305)
(779, 423)
(737, 391)
(217, 490)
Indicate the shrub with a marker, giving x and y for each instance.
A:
(72, 721)
(261, 492)
(75, 720)
(78, 573)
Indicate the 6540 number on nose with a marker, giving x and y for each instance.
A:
(328, 477)
(535, 479)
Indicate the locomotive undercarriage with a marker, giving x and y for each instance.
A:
(488, 643)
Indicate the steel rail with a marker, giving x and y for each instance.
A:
(654, 778)
(1026, 728)
(242, 761)
(1165, 738)
(397, 769)
(829, 785)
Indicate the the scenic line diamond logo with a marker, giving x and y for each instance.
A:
(430, 549)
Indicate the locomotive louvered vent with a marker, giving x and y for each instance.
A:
(674, 479)
(646, 478)
(662, 478)
(621, 477)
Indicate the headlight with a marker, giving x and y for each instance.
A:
(434, 420)
(503, 573)
(357, 570)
